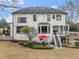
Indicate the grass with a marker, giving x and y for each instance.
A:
(10, 50)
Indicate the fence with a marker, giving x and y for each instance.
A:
(74, 35)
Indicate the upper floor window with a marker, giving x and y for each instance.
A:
(21, 20)
(58, 17)
(53, 16)
(34, 17)
(48, 17)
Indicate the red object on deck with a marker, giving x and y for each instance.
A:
(43, 36)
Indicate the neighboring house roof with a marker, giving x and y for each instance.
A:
(39, 10)
(3, 25)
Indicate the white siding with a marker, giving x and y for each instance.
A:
(40, 19)
(20, 37)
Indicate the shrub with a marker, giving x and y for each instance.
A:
(29, 43)
(25, 44)
(41, 47)
(77, 44)
(1, 33)
(14, 41)
(33, 45)
(21, 43)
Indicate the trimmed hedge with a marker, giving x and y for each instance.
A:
(32, 45)
(26, 43)
(41, 47)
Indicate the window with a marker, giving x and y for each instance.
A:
(55, 29)
(53, 16)
(38, 29)
(18, 29)
(48, 17)
(61, 28)
(34, 17)
(44, 29)
(66, 28)
(58, 17)
(21, 20)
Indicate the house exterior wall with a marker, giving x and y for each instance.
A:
(40, 19)
(10, 25)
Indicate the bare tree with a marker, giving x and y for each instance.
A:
(6, 5)
(72, 7)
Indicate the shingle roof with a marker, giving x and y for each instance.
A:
(39, 10)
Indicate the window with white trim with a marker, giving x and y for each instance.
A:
(19, 29)
(21, 20)
(53, 16)
(48, 17)
(66, 28)
(58, 17)
(44, 29)
(34, 17)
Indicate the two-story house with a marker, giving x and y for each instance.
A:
(49, 23)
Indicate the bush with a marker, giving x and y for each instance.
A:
(21, 43)
(14, 41)
(33, 45)
(29, 44)
(1, 33)
(25, 44)
(41, 47)
(77, 44)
